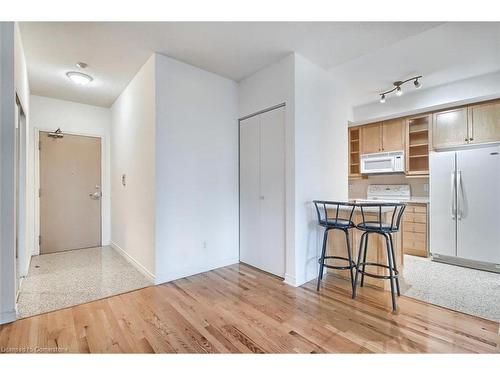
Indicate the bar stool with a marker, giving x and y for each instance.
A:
(339, 223)
(385, 229)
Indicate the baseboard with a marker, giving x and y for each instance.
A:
(290, 280)
(151, 277)
(193, 270)
(298, 281)
(7, 316)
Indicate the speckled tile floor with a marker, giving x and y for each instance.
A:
(462, 289)
(69, 278)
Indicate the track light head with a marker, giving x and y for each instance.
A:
(382, 98)
(399, 92)
(417, 84)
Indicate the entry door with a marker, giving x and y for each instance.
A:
(70, 192)
(262, 191)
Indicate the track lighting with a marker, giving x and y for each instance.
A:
(397, 87)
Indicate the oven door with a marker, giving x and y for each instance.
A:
(377, 164)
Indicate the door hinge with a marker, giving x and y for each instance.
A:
(39, 145)
(39, 192)
(39, 240)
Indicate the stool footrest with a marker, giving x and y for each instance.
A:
(386, 277)
(351, 266)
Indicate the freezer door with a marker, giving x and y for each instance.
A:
(442, 203)
(478, 204)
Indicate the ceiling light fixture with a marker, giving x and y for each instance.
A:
(397, 87)
(79, 78)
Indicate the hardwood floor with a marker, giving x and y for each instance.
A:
(238, 309)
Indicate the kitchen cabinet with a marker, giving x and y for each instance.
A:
(484, 120)
(417, 145)
(383, 137)
(474, 124)
(371, 138)
(393, 135)
(450, 128)
(354, 151)
(262, 191)
(414, 230)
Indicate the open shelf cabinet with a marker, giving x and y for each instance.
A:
(354, 152)
(417, 145)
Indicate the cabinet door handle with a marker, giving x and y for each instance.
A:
(471, 139)
(466, 139)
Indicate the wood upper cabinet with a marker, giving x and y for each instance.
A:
(484, 122)
(371, 138)
(354, 151)
(393, 135)
(450, 128)
(383, 136)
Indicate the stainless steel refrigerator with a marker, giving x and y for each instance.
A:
(465, 207)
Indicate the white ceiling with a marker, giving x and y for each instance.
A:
(367, 56)
(116, 51)
(450, 52)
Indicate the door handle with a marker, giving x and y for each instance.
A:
(453, 196)
(95, 196)
(460, 193)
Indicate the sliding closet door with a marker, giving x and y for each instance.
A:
(250, 191)
(262, 191)
(272, 185)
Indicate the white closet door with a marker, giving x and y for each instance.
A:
(262, 191)
(250, 191)
(272, 186)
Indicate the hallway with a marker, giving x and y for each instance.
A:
(70, 278)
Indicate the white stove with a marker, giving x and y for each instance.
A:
(387, 193)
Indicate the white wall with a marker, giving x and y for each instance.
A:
(196, 170)
(7, 194)
(133, 154)
(482, 87)
(272, 85)
(321, 117)
(48, 114)
(25, 240)
(316, 148)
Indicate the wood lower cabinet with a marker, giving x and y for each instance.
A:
(485, 122)
(415, 230)
(450, 128)
(376, 250)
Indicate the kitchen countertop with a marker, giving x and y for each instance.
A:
(422, 200)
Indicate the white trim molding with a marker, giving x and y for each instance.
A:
(181, 272)
(151, 277)
(8, 316)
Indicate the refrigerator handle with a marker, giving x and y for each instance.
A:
(460, 196)
(453, 196)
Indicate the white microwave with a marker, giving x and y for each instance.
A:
(383, 162)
